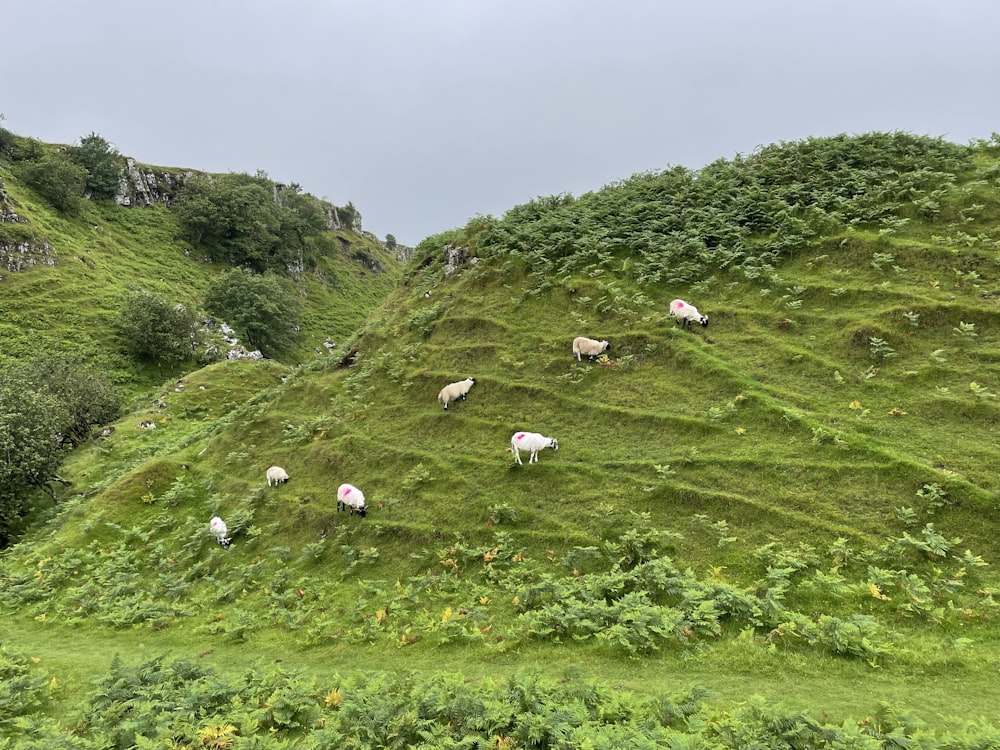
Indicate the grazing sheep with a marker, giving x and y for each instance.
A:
(685, 313)
(351, 499)
(455, 391)
(218, 528)
(531, 442)
(591, 347)
(277, 475)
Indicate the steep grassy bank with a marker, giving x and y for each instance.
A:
(797, 502)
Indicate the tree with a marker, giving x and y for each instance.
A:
(88, 397)
(46, 403)
(103, 164)
(149, 326)
(390, 243)
(236, 220)
(262, 308)
(57, 179)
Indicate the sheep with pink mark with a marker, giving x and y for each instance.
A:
(686, 313)
(218, 529)
(531, 442)
(351, 499)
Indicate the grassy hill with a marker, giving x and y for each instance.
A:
(779, 530)
(86, 263)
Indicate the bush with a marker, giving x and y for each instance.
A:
(263, 309)
(103, 164)
(149, 326)
(46, 403)
(57, 179)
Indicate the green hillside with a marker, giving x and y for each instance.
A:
(776, 531)
(77, 267)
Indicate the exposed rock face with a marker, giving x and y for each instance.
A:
(338, 218)
(16, 256)
(456, 257)
(6, 211)
(142, 186)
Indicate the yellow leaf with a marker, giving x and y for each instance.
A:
(333, 698)
(855, 404)
(877, 593)
(741, 431)
(447, 615)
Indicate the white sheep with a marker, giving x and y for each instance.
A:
(277, 475)
(351, 499)
(686, 312)
(218, 528)
(591, 347)
(455, 391)
(531, 442)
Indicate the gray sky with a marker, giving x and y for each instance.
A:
(425, 113)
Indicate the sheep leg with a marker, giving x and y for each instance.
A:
(517, 455)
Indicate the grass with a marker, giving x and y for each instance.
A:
(782, 456)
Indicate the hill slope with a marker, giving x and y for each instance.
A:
(798, 501)
(64, 276)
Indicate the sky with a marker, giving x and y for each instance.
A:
(427, 113)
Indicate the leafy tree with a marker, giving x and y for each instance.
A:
(390, 243)
(57, 179)
(262, 308)
(237, 220)
(45, 403)
(88, 397)
(149, 326)
(103, 164)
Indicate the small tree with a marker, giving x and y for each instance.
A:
(46, 403)
(87, 396)
(149, 326)
(57, 179)
(262, 308)
(103, 164)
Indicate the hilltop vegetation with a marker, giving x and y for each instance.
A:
(798, 502)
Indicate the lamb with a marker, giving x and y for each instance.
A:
(591, 347)
(532, 442)
(685, 313)
(218, 528)
(277, 475)
(455, 391)
(351, 499)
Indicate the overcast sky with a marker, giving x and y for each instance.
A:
(426, 113)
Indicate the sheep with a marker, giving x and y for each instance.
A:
(532, 442)
(218, 528)
(686, 312)
(455, 391)
(591, 347)
(277, 475)
(351, 499)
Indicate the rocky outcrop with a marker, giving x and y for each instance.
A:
(347, 219)
(456, 257)
(7, 214)
(16, 256)
(145, 186)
